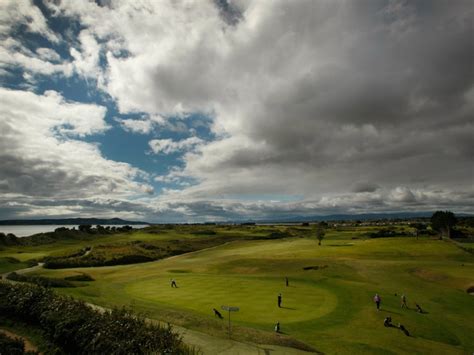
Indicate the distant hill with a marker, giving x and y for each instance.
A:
(68, 221)
(350, 217)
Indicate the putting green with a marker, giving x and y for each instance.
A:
(256, 297)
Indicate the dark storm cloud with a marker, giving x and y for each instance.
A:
(365, 187)
(394, 105)
(230, 13)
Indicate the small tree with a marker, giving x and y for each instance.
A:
(320, 232)
(419, 228)
(86, 228)
(443, 222)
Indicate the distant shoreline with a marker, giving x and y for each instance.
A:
(69, 221)
(21, 231)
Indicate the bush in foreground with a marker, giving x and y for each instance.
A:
(13, 346)
(76, 328)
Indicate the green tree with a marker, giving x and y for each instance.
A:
(320, 232)
(443, 222)
(419, 229)
(86, 228)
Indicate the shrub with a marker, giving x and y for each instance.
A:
(205, 232)
(40, 280)
(76, 328)
(81, 277)
(13, 346)
(277, 235)
(385, 233)
(9, 239)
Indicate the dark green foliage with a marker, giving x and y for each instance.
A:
(11, 260)
(40, 280)
(85, 232)
(13, 346)
(64, 263)
(75, 328)
(31, 262)
(205, 232)
(420, 228)
(321, 231)
(8, 239)
(80, 277)
(60, 229)
(443, 222)
(277, 235)
(386, 233)
(466, 221)
(87, 228)
(323, 224)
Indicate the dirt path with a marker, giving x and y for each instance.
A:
(22, 271)
(28, 345)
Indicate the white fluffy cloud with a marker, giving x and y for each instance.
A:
(41, 157)
(45, 61)
(168, 146)
(17, 13)
(142, 126)
(86, 59)
(16, 16)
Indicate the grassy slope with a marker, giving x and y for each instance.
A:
(161, 236)
(330, 309)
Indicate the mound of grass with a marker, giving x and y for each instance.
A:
(11, 260)
(9, 263)
(107, 255)
(40, 280)
(137, 251)
(80, 277)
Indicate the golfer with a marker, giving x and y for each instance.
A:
(377, 301)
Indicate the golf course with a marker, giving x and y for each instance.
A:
(327, 306)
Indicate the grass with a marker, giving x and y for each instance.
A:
(9, 263)
(328, 308)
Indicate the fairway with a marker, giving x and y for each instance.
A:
(328, 303)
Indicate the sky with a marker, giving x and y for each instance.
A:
(195, 111)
